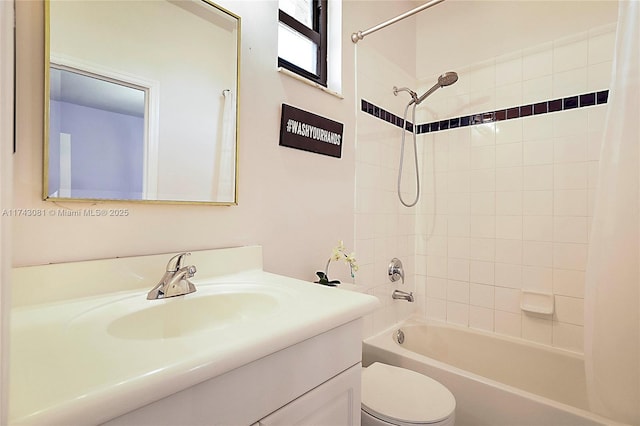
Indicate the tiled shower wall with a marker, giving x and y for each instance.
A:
(383, 228)
(507, 204)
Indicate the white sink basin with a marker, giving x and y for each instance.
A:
(211, 307)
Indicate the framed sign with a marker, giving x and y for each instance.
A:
(309, 132)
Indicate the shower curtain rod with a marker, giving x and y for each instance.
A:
(355, 37)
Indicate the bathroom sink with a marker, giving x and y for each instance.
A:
(210, 308)
(183, 316)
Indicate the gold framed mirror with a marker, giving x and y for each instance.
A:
(141, 101)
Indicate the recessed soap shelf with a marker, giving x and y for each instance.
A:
(537, 302)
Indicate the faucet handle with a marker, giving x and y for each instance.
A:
(191, 271)
(395, 270)
(178, 262)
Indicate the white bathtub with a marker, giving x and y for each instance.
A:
(496, 380)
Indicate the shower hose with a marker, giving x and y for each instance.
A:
(415, 155)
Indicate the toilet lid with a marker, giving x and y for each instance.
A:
(397, 394)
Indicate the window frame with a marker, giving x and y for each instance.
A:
(317, 35)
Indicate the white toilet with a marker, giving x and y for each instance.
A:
(400, 397)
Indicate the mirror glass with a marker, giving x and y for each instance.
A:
(142, 101)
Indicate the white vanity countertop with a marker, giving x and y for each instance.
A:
(67, 367)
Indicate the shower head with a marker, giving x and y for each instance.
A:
(446, 79)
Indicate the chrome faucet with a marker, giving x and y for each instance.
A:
(395, 270)
(175, 281)
(402, 295)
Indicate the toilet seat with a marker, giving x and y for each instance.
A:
(404, 397)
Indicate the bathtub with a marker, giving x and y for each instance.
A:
(496, 380)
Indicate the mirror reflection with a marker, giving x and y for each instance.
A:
(141, 112)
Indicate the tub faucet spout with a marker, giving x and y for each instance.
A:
(175, 281)
(402, 295)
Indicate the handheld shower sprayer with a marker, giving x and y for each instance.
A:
(444, 80)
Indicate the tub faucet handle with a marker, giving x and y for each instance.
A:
(395, 270)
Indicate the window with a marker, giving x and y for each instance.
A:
(302, 38)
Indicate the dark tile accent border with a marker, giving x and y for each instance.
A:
(571, 102)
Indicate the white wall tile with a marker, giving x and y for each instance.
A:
(481, 272)
(482, 226)
(508, 178)
(508, 323)
(436, 309)
(509, 131)
(436, 266)
(537, 253)
(458, 225)
(596, 117)
(537, 89)
(458, 269)
(538, 63)
(508, 96)
(482, 180)
(537, 127)
(481, 318)
(509, 203)
(420, 265)
(458, 291)
(570, 83)
(482, 203)
(482, 157)
(536, 278)
(568, 282)
(482, 249)
(458, 247)
(537, 152)
(572, 202)
(570, 176)
(568, 55)
(436, 288)
(599, 76)
(537, 329)
(537, 228)
(570, 256)
(570, 148)
(568, 336)
(458, 181)
(537, 202)
(507, 299)
(601, 47)
(508, 251)
(509, 227)
(482, 295)
(483, 99)
(483, 75)
(509, 155)
(483, 134)
(458, 313)
(571, 122)
(570, 229)
(459, 159)
(594, 144)
(535, 178)
(569, 310)
(508, 70)
(507, 275)
(458, 203)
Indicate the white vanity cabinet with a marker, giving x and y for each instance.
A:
(314, 382)
(333, 403)
(248, 347)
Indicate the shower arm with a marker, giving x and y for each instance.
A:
(357, 36)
